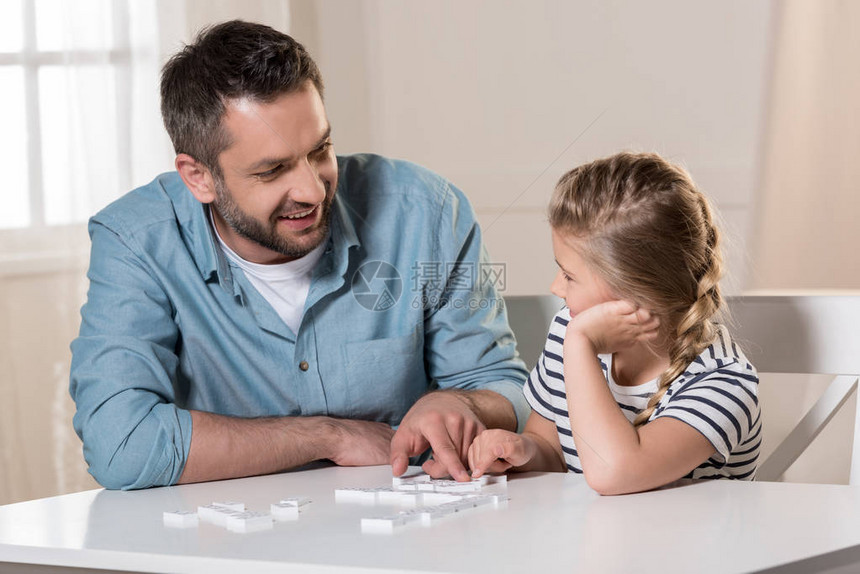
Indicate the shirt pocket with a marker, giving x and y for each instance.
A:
(386, 377)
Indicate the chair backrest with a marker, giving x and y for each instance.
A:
(799, 333)
(780, 334)
(804, 334)
(530, 316)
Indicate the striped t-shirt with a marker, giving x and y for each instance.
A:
(716, 395)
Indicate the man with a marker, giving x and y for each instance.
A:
(248, 313)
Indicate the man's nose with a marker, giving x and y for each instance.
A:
(306, 185)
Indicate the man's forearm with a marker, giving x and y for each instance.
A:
(494, 410)
(229, 447)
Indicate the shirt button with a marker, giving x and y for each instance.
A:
(304, 365)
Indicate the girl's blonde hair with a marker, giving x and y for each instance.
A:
(646, 230)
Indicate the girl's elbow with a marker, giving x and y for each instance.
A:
(610, 481)
(603, 485)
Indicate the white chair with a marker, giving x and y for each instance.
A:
(780, 334)
(804, 334)
(529, 316)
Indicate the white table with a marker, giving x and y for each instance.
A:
(553, 523)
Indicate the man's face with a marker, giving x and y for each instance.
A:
(279, 177)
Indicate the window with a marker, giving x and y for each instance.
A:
(66, 91)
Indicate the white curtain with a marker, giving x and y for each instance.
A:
(93, 132)
(806, 216)
(108, 109)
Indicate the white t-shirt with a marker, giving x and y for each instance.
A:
(716, 395)
(284, 285)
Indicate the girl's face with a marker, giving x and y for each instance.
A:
(575, 282)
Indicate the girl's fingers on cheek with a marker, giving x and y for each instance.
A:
(622, 307)
(644, 315)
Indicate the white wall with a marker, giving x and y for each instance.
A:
(502, 98)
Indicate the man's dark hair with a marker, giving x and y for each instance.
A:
(227, 61)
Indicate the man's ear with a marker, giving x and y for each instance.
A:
(197, 178)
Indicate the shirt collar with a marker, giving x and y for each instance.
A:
(193, 220)
(342, 229)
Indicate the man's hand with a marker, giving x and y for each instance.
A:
(613, 326)
(359, 443)
(445, 421)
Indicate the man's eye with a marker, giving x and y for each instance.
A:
(323, 149)
(270, 173)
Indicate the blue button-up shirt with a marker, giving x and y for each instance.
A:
(402, 301)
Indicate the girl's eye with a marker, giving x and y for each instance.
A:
(567, 277)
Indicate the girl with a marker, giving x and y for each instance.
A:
(637, 386)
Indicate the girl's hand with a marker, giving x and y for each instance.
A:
(497, 450)
(613, 326)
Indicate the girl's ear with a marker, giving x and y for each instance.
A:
(197, 178)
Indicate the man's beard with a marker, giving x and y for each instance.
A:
(266, 233)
